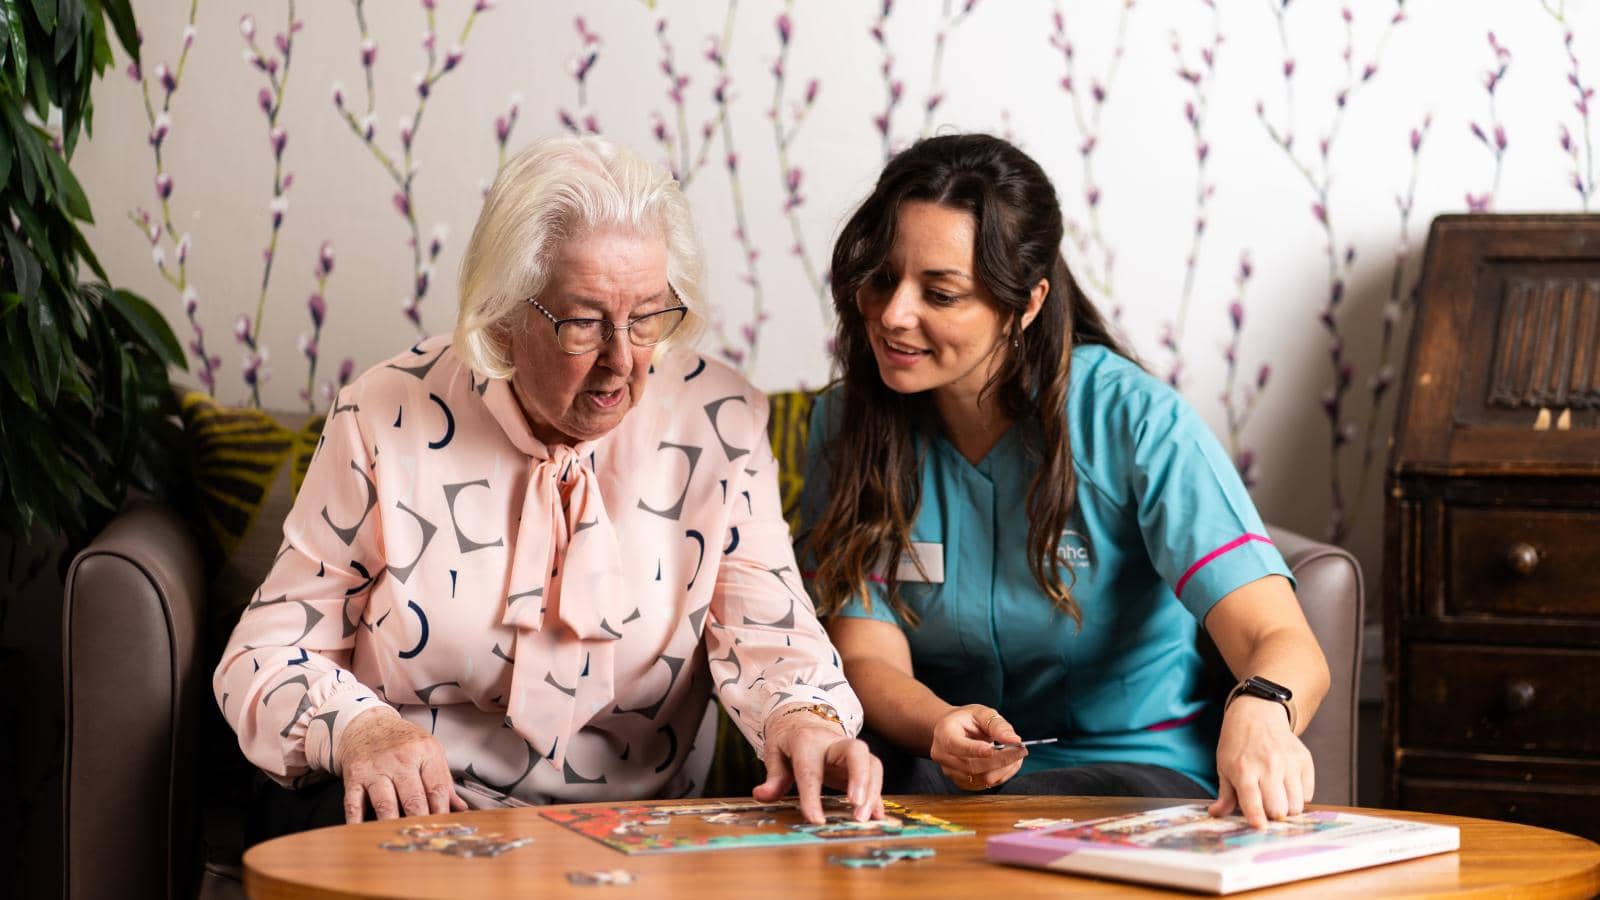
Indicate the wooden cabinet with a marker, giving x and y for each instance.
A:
(1492, 528)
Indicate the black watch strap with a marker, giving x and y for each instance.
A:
(1256, 686)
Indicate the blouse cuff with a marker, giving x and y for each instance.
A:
(325, 728)
(800, 695)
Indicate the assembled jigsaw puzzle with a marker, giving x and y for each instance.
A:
(737, 824)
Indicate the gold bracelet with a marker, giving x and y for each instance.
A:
(821, 710)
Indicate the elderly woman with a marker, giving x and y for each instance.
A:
(513, 572)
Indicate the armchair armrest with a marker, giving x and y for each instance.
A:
(1330, 591)
(132, 648)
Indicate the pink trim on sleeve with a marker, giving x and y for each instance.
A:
(1234, 544)
(1170, 724)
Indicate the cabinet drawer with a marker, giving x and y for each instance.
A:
(1460, 696)
(1522, 563)
(1571, 808)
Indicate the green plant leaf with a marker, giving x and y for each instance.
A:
(27, 150)
(24, 266)
(7, 153)
(15, 370)
(39, 90)
(34, 230)
(87, 255)
(19, 44)
(71, 191)
(8, 302)
(102, 46)
(149, 324)
(45, 12)
(67, 35)
(121, 14)
(47, 346)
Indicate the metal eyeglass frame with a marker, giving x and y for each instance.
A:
(608, 328)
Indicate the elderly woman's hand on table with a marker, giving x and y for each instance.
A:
(396, 767)
(808, 751)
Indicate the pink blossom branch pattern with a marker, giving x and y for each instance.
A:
(1319, 177)
(163, 232)
(1494, 137)
(1239, 401)
(310, 344)
(791, 175)
(1097, 256)
(1200, 78)
(403, 174)
(504, 125)
(675, 141)
(270, 100)
(721, 94)
(584, 121)
(1582, 173)
(948, 22)
(1394, 309)
(893, 87)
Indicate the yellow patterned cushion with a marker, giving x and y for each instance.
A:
(247, 464)
(788, 428)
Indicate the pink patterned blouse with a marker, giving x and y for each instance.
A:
(557, 616)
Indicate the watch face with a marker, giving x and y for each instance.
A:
(1271, 690)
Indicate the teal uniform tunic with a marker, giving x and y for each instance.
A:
(1161, 529)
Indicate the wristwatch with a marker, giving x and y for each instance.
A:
(821, 711)
(1256, 686)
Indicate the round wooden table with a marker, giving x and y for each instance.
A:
(1496, 859)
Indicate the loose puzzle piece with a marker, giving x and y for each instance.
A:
(882, 857)
(1036, 824)
(608, 876)
(453, 839)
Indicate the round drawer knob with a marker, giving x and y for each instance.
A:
(1519, 695)
(1523, 558)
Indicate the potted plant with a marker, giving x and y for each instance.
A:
(85, 405)
(84, 399)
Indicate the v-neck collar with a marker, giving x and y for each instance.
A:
(985, 465)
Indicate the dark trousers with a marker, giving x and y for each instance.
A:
(276, 810)
(904, 773)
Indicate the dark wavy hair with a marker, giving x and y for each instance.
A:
(876, 471)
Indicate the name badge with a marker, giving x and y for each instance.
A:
(930, 555)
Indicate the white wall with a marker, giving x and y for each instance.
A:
(1001, 70)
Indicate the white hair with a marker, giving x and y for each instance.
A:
(557, 190)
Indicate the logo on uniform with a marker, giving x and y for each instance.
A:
(1074, 550)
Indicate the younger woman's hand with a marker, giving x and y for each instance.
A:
(1262, 767)
(963, 748)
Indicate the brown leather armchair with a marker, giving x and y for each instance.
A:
(137, 688)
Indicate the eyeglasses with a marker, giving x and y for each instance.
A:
(576, 337)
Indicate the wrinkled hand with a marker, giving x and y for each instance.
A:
(1261, 765)
(808, 751)
(962, 748)
(396, 767)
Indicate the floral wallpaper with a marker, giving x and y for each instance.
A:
(1248, 184)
